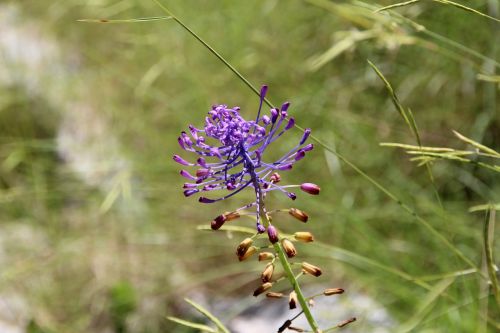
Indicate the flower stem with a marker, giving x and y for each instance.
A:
(296, 287)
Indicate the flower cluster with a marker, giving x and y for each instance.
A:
(230, 156)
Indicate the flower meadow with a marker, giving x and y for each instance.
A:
(249, 166)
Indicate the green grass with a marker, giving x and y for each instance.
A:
(148, 80)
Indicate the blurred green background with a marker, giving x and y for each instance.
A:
(95, 234)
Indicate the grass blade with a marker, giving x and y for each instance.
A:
(476, 144)
(207, 314)
(201, 327)
(133, 20)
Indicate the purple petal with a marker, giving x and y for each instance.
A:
(307, 132)
(188, 193)
(187, 175)
(180, 160)
(291, 123)
(206, 200)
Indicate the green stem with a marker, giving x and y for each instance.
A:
(296, 287)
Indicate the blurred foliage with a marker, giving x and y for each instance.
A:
(145, 82)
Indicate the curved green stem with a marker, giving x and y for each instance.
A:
(293, 281)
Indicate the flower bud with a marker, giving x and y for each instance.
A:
(272, 233)
(311, 269)
(274, 295)
(267, 274)
(265, 256)
(303, 236)
(292, 300)
(298, 214)
(311, 302)
(333, 291)
(218, 222)
(243, 247)
(251, 250)
(289, 248)
(262, 288)
(310, 188)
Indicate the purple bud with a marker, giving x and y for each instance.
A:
(260, 228)
(201, 161)
(308, 147)
(187, 175)
(189, 185)
(193, 131)
(291, 123)
(291, 195)
(188, 193)
(310, 188)
(206, 200)
(272, 233)
(266, 120)
(307, 131)
(263, 91)
(181, 143)
(286, 166)
(300, 155)
(274, 115)
(180, 160)
(285, 106)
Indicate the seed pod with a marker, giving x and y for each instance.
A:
(266, 256)
(303, 236)
(292, 300)
(267, 274)
(274, 295)
(218, 222)
(333, 291)
(231, 215)
(346, 322)
(296, 329)
(311, 269)
(298, 214)
(310, 188)
(272, 233)
(289, 248)
(262, 288)
(243, 247)
(251, 250)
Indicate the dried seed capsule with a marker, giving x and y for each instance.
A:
(310, 188)
(274, 295)
(311, 269)
(298, 214)
(231, 215)
(243, 247)
(346, 322)
(289, 248)
(292, 300)
(296, 329)
(218, 222)
(303, 236)
(266, 256)
(267, 274)
(272, 233)
(333, 291)
(262, 288)
(251, 250)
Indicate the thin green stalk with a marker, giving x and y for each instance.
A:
(488, 230)
(379, 186)
(296, 287)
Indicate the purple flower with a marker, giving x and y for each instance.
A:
(230, 154)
